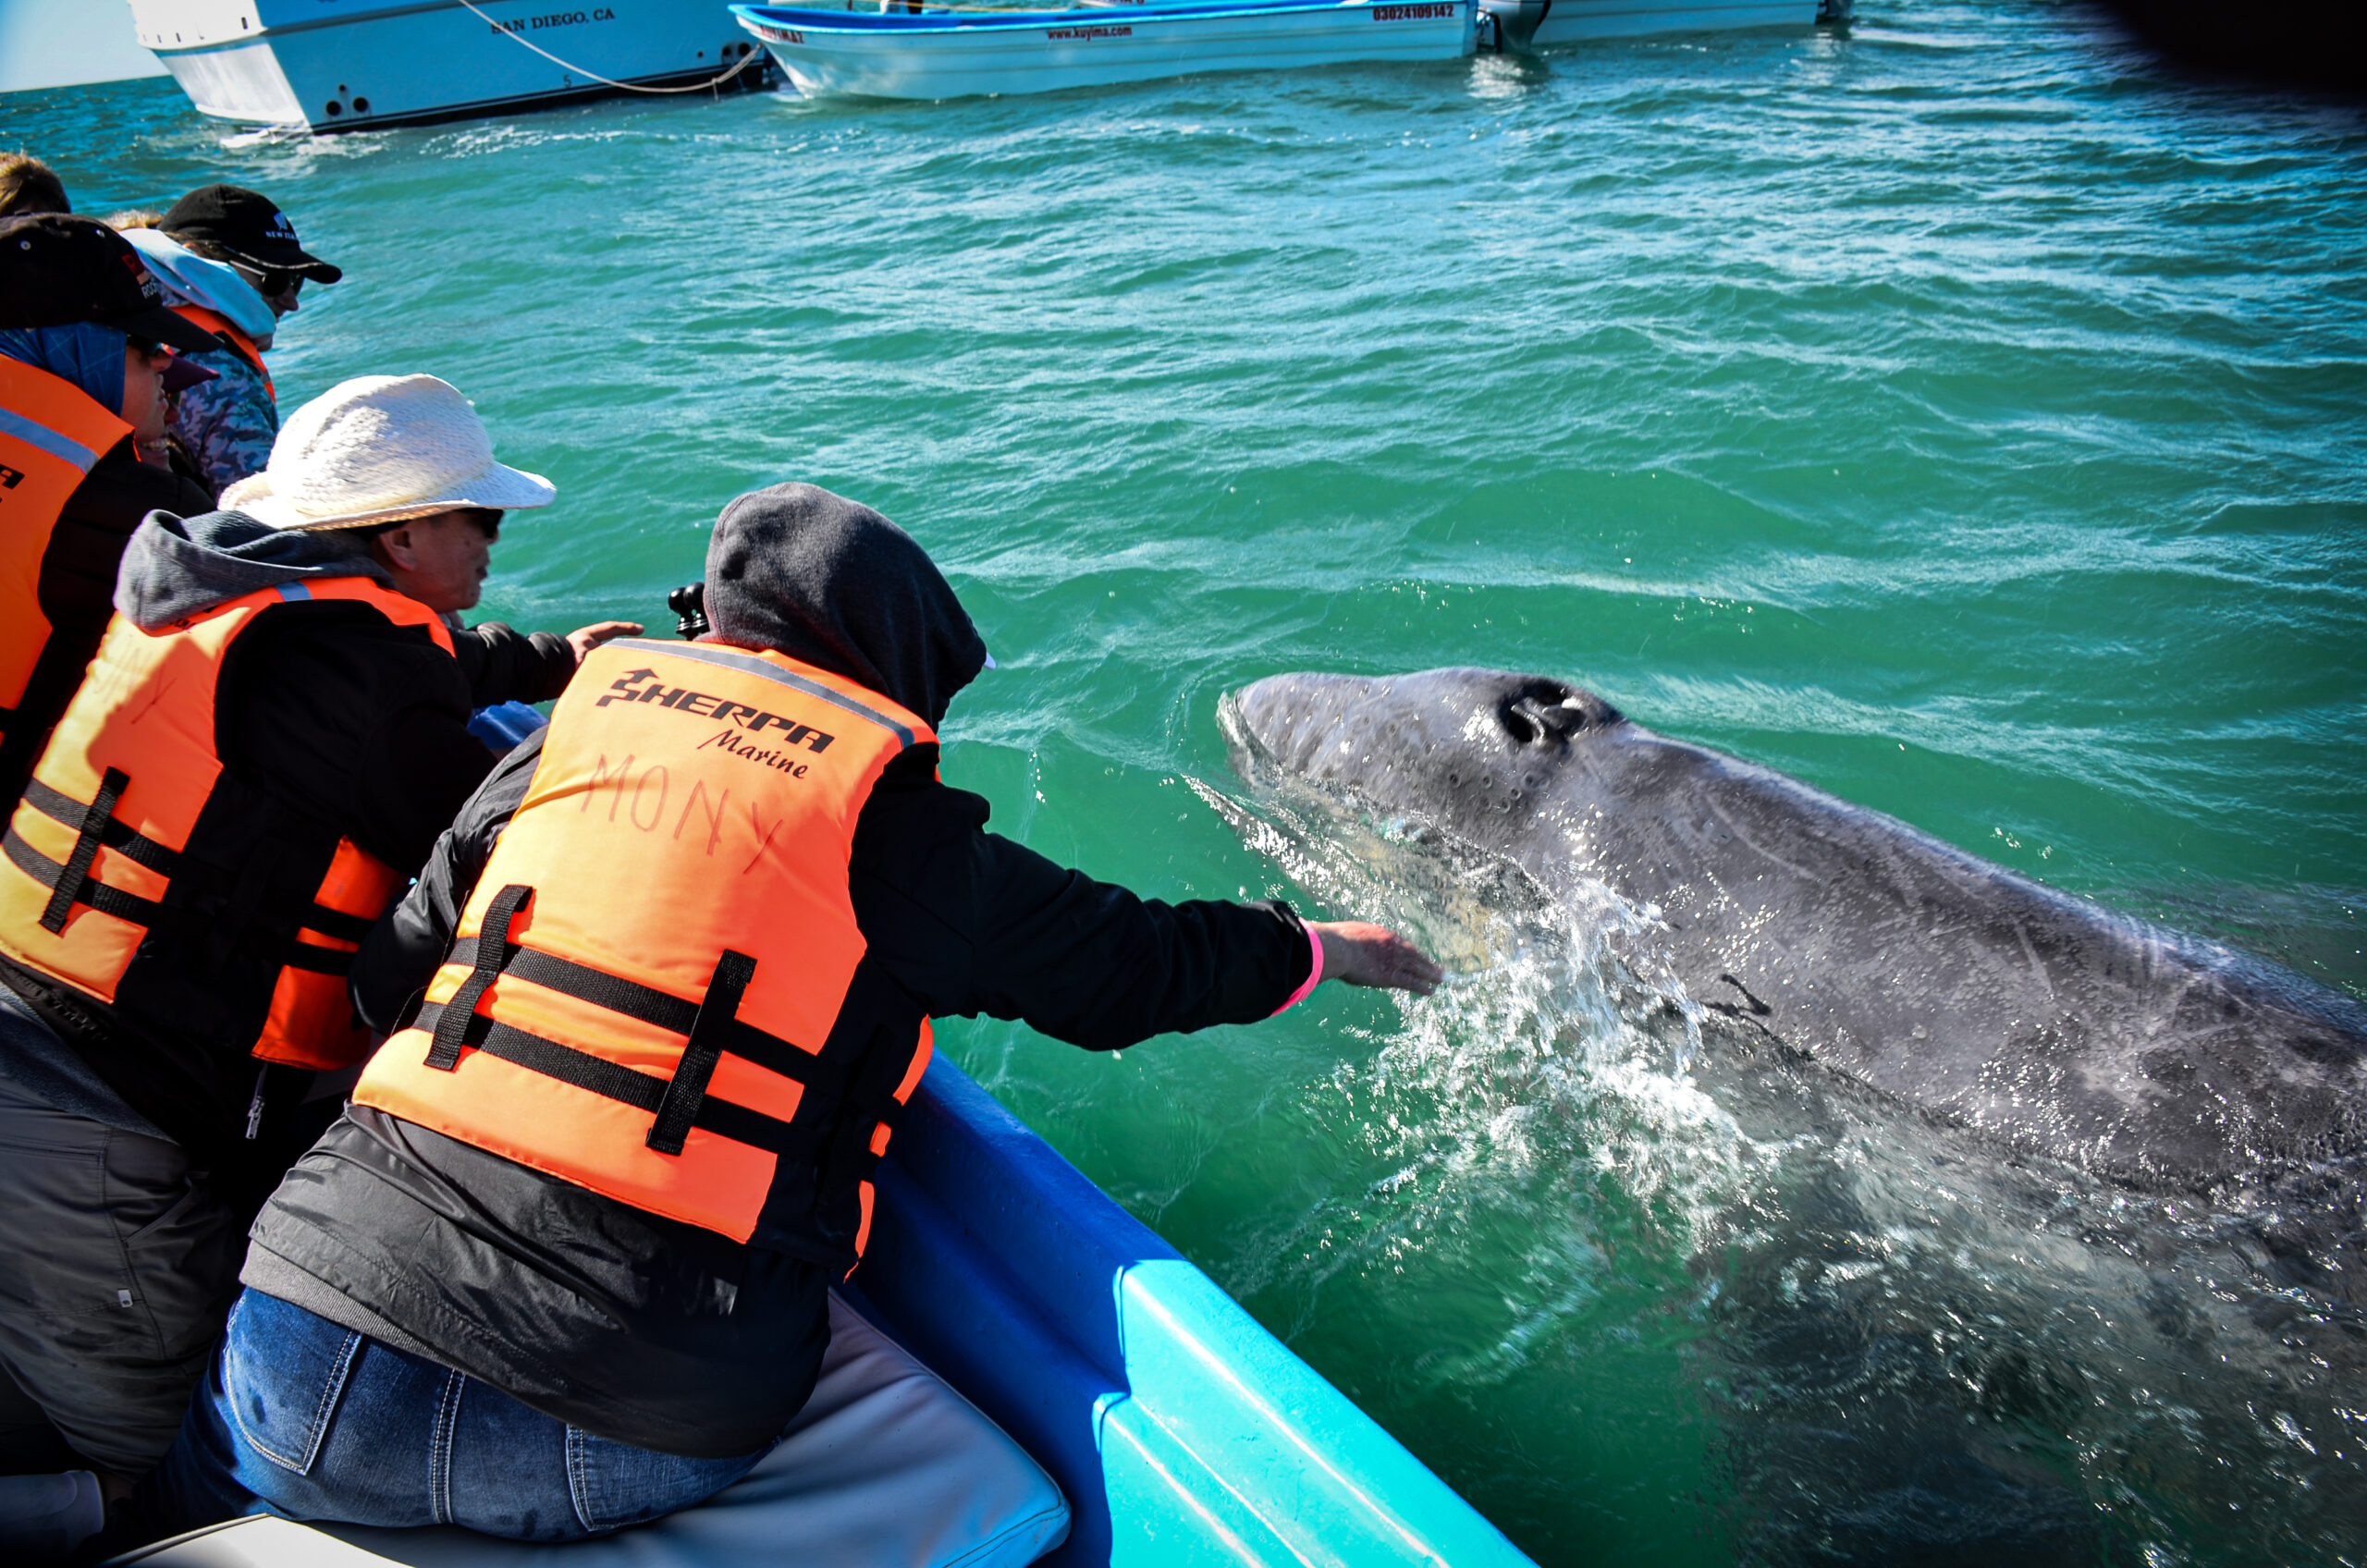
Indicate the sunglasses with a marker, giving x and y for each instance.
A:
(269, 281)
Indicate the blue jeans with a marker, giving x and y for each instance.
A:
(302, 1418)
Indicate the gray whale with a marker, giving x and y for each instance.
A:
(2044, 1024)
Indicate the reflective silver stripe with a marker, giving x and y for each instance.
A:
(64, 447)
(748, 664)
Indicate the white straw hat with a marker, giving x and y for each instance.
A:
(381, 448)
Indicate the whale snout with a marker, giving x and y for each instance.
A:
(1295, 719)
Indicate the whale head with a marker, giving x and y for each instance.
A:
(1457, 743)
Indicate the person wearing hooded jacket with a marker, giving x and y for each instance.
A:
(551, 1267)
(274, 733)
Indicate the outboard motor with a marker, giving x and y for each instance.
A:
(1517, 20)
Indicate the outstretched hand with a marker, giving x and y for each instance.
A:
(584, 638)
(1361, 953)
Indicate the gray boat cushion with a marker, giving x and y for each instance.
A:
(884, 1466)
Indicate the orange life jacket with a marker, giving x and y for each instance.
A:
(658, 991)
(141, 874)
(241, 344)
(52, 433)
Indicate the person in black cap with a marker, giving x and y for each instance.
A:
(84, 373)
(229, 427)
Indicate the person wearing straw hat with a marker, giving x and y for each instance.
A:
(273, 733)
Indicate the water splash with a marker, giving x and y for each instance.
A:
(267, 136)
(1554, 1067)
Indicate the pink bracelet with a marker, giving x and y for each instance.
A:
(1314, 974)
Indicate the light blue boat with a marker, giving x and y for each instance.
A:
(961, 50)
(1180, 1431)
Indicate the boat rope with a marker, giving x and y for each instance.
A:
(745, 61)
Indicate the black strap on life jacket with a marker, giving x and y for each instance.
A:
(451, 1028)
(122, 838)
(114, 835)
(710, 1027)
(76, 872)
(627, 1086)
(700, 1052)
(134, 910)
(97, 894)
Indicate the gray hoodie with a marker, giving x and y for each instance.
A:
(175, 568)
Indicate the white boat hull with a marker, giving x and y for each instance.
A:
(1105, 47)
(1585, 21)
(372, 63)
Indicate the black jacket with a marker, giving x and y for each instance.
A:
(328, 712)
(661, 1334)
(77, 590)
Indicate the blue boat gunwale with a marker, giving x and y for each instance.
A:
(1161, 1408)
(808, 20)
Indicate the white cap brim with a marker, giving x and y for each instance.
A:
(500, 487)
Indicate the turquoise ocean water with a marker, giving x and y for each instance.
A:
(1960, 414)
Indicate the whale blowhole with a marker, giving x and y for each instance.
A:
(1541, 711)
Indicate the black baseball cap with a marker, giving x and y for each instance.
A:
(56, 269)
(250, 225)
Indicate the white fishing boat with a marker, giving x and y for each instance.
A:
(357, 65)
(948, 52)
